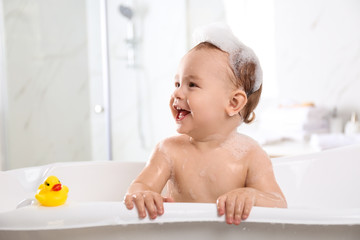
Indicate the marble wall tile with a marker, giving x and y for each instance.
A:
(47, 81)
(318, 52)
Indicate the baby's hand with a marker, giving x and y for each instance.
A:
(151, 201)
(236, 204)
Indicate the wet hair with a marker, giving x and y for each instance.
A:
(244, 79)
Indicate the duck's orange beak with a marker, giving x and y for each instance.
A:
(56, 187)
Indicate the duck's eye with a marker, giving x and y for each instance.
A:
(47, 184)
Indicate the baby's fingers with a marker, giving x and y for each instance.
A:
(239, 207)
(128, 200)
(230, 209)
(158, 200)
(168, 199)
(220, 202)
(140, 205)
(149, 200)
(247, 208)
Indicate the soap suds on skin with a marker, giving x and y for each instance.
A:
(238, 145)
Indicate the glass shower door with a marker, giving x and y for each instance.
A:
(46, 88)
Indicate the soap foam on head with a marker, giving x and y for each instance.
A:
(221, 36)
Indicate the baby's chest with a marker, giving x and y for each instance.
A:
(213, 178)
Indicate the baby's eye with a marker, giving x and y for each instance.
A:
(191, 84)
(177, 84)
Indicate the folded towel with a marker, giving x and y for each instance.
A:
(294, 123)
(333, 140)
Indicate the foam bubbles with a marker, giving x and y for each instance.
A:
(238, 145)
(221, 36)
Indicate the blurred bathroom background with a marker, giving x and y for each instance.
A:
(91, 79)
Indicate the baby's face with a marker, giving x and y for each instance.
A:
(202, 91)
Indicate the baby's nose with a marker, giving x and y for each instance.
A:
(178, 93)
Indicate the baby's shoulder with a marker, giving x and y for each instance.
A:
(255, 153)
(253, 145)
(173, 143)
(244, 141)
(243, 145)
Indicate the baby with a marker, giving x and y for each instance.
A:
(217, 86)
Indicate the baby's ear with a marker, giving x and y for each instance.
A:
(237, 102)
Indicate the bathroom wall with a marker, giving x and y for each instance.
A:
(318, 52)
(309, 51)
(47, 116)
(253, 22)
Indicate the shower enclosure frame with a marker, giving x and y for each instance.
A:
(105, 60)
(3, 94)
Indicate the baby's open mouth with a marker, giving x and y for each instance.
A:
(181, 113)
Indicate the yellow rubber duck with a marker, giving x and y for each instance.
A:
(51, 193)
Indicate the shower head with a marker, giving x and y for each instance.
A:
(126, 11)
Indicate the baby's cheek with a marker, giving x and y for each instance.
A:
(211, 113)
(206, 119)
(205, 108)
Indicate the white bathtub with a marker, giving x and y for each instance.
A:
(326, 207)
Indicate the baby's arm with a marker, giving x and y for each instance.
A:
(146, 188)
(261, 189)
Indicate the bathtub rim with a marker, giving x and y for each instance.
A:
(115, 213)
